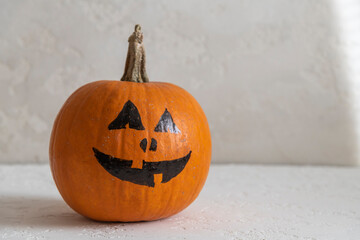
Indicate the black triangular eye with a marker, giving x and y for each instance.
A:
(166, 124)
(128, 115)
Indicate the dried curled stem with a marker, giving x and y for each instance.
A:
(135, 70)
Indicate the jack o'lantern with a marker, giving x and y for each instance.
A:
(130, 150)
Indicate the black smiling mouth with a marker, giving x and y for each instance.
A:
(121, 168)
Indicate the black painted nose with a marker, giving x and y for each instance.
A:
(153, 144)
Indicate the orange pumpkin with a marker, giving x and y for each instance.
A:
(130, 150)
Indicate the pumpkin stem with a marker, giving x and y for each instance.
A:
(135, 70)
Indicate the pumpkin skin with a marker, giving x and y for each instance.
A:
(83, 124)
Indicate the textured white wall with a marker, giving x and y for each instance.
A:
(275, 78)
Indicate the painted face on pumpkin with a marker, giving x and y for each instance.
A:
(121, 168)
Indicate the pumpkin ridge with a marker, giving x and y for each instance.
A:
(65, 173)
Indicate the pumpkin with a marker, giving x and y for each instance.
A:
(130, 150)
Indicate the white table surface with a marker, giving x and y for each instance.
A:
(237, 202)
